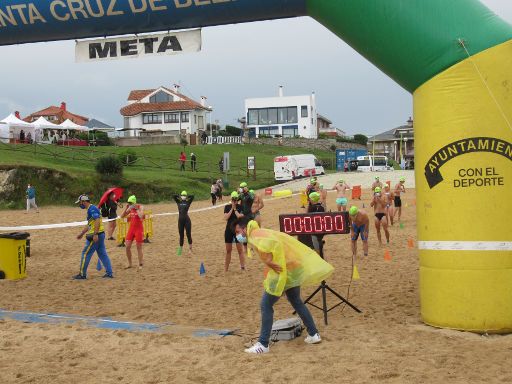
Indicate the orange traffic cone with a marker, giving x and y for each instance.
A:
(410, 242)
(387, 255)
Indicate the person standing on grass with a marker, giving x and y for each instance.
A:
(135, 214)
(95, 239)
(183, 160)
(30, 194)
(193, 162)
(232, 212)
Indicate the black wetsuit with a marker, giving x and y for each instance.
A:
(246, 200)
(184, 223)
(112, 209)
(229, 234)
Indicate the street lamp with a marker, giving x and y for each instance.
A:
(210, 119)
(395, 144)
(405, 149)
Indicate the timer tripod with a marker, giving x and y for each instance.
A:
(318, 244)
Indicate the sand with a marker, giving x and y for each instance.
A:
(386, 343)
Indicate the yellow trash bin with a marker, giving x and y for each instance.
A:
(13, 252)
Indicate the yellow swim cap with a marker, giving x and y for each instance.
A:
(132, 199)
(378, 189)
(235, 195)
(243, 185)
(353, 210)
(314, 197)
(184, 193)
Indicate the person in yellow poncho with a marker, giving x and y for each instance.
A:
(289, 265)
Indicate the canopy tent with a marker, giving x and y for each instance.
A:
(68, 124)
(44, 124)
(4, 133)
(12, 127)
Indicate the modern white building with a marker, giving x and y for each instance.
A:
(286, 116)
(164, 111)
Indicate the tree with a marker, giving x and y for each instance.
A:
(233, 131)
(361, 139)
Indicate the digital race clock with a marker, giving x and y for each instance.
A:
(321, 223)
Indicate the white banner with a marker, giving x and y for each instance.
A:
(126, 47)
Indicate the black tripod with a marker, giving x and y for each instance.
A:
(318, 244)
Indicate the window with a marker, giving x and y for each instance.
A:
(185, 117)
(252, 132)
(304, 111)
(283, 115)
(272, 115)
(195, 119)
(201, 122)
(290, 130)
(160, 97)
(269, 131)
(171, 117)
(263, 117)
(152, 118)
(292, 115)
(252, 117)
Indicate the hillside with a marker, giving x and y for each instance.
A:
(154, 176)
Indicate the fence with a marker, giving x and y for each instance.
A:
(225, 140)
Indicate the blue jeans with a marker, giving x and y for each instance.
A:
(267, 313)
(88, 251)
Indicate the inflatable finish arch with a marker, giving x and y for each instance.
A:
(454, 56)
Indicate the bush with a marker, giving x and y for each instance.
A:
(109, 166)
(233, 131)
(323, 136)
(333, 147)
(361, 139)
(128, 157)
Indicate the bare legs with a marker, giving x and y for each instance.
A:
(129, 254)
(241, 256)
(384, 223)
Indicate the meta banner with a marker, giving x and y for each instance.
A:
(47, 20)
(138, 46)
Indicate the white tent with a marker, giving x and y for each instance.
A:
(4, 133)
(14, 127)
(41, 124)
(68, 124)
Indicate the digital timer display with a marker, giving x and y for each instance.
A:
(321, 223)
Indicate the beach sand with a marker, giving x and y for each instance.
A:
(387, 343)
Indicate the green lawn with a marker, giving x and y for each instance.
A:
(157, 165)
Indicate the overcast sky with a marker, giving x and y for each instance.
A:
(237, 62)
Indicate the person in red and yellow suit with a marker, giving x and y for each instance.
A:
(289, 265)
(135, 214)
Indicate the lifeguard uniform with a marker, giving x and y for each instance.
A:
(136, 228)
(93, 213)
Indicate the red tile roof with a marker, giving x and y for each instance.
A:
(61, 114)
(136, 108)
(139, 94)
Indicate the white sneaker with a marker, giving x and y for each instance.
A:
(258, 348)
(315, 339)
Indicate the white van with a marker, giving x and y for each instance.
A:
(295, 166)
(372, 163)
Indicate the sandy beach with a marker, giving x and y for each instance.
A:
(387, 343)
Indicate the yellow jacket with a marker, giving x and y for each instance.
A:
(301, 266)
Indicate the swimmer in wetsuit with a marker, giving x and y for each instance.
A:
(341, 200)
(184, 201)
(359, 225)
(379, 205)
(232, 212)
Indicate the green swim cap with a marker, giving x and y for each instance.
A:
(314, 197)
(321, 186)
(132, 199)
(341, 181)
(378, 189)
(251, 191)
(243, 185)
(377, 177)
(312, 181)
(184, 193)
(402, 179)
(235, 195)
(353, 210)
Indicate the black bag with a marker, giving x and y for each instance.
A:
(104, 210)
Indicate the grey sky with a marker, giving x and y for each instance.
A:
(237, 61)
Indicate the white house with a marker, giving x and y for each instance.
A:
(287, 116)
(163, 111)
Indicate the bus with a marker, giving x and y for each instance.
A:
(372, 163)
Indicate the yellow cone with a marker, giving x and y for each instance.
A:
(355, 273)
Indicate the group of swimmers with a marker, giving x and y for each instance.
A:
(385, 202)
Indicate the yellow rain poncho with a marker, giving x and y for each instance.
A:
(301, 266)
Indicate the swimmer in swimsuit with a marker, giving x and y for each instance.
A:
(257, 206)
(389, 196)
(379, 205)
(377, 183)
(341, 200)
(359, 225)
(399, 188)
